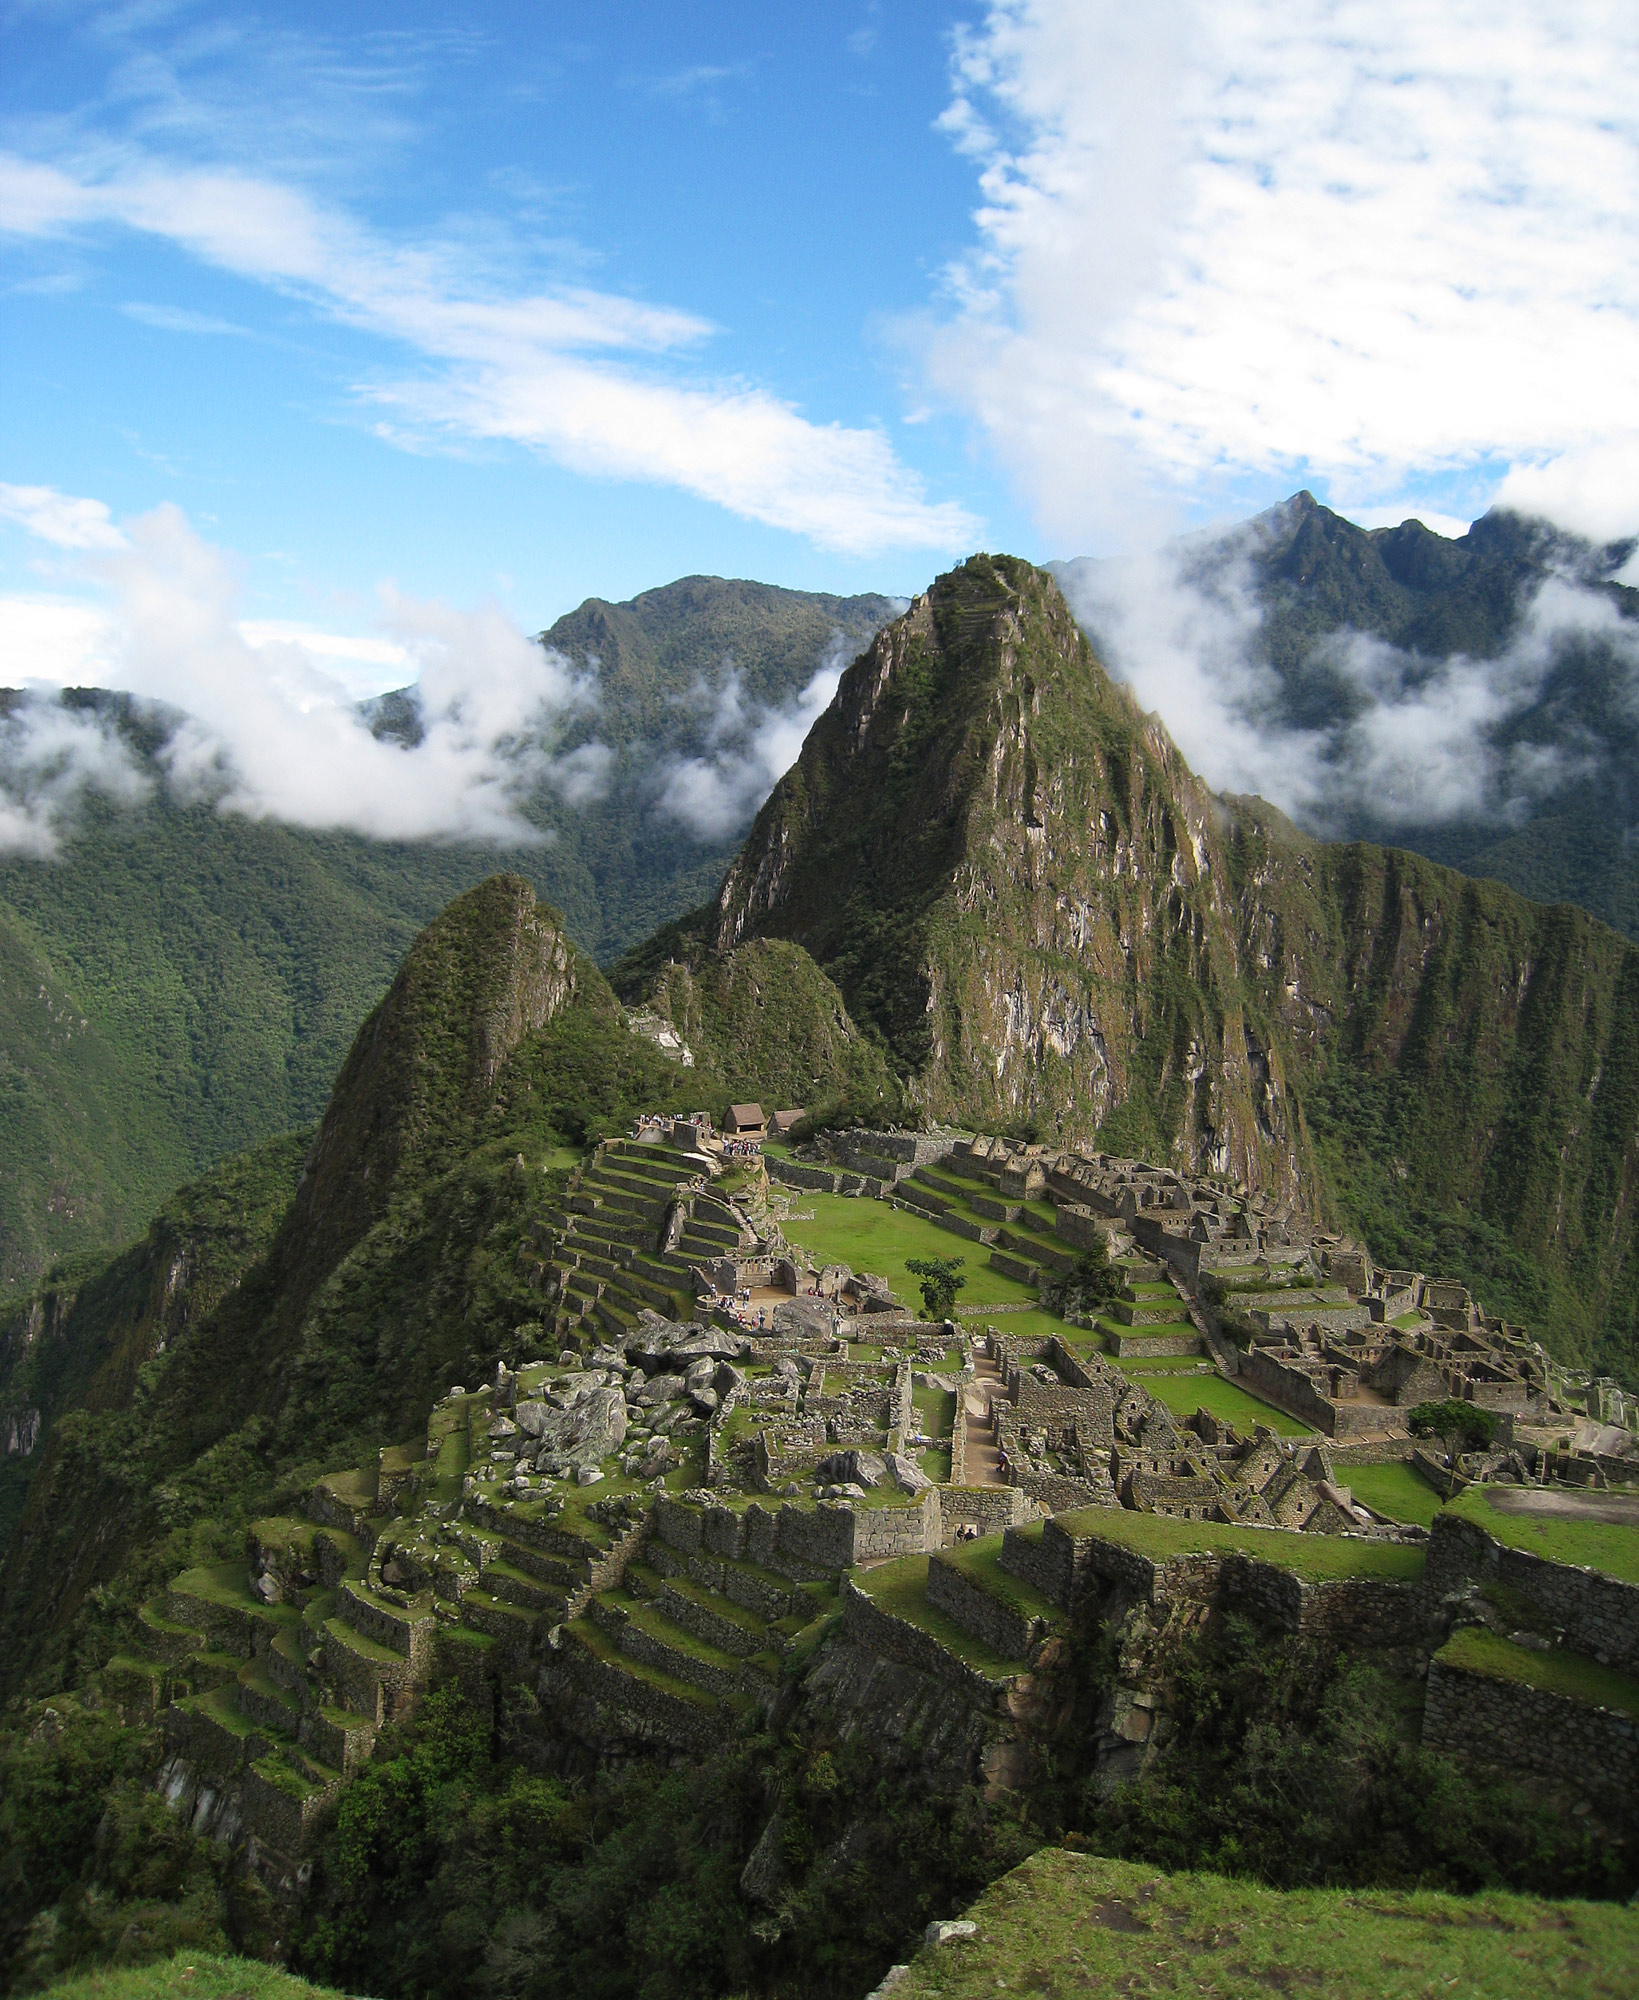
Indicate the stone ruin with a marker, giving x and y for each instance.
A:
(650, 1527)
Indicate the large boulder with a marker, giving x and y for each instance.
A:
(658, 1389)
(580, 1435)
(853, 1467)
(804, 1319)
(906, 1474)
(664, 1343)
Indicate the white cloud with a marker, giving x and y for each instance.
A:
(266, 731)
(177, 319)
(749, 749)
(1369, 239)
(514, 366)
(1427, 743)
(58, 518)
(49, 757)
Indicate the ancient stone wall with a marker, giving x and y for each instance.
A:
(989, 1509)
(1001, 1627)
(898, 1531)
(1525, 1728)
(1044, 1559)
(879, 1632)
(1596, 1613)
(797, 1174)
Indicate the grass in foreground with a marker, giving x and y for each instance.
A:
(190, 1975)
(1312, 1557)
(872, 1236)
(1558, 1671)
(1601, 1545)
(1397, 1490)
(1066, 1923)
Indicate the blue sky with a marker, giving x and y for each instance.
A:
(781, 182)
(315, 314)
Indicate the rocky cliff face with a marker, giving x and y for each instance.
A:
(1015, 878)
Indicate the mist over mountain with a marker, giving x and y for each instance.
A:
(1474, 699)
(179, 981)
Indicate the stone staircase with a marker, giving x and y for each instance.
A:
(691, 1642)
(272, 1676)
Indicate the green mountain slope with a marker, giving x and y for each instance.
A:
(1016, 881)
(178, 984)
(306, 1303)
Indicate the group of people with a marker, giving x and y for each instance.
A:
(738, 1307)
(741, 1149)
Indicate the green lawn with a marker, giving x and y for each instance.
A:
(1312, 1557)
(872, 1236)
(1398, 1490)
(1036, 1324)
(1066, 1924)
(937, 1409)
(1554, 1672)
(1600, 1545)
(1169, 1364)
(1185, 1394)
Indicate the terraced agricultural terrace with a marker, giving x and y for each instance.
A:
(747, 1448)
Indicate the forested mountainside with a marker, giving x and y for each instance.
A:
(1018, 886)
(177, 984)
(1556, 736)
(305, 1302)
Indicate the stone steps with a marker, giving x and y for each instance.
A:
(217, 1601)
(338, 1738)
(371, 1679)
(990, 1604)
(646, 1634)
(165, 1638)
(498, 1618)
(527, 1593)
(405, 1629)
(720, 1622)
(664, 1709)
(721, 1236)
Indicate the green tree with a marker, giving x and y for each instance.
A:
(941, 1280)
(1459, 1426)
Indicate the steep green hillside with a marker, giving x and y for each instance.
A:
(88, 1337)
(766, 1020)
(178, 984)
(1015, 880)
(306, 1304)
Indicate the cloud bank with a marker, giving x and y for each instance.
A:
(263, 729)
(749, 748)
(1361, 242)
(1422, 742)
